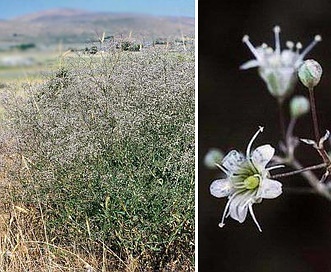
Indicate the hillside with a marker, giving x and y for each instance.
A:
(77, 26)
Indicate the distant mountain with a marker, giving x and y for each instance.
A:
(47, 15)
(71, 25)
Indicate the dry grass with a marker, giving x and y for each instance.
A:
(23, 247)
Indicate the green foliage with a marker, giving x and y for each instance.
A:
(92, 50)
(130, 46)
(24, 46)
(109, 149)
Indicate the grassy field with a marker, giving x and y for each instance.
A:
(98, 162)
(18, 76)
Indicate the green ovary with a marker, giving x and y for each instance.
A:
(251, 182)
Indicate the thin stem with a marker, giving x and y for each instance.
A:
(290, 141)
(313, 180)
(314, 114)
(309, 168)
(324, 155)
(308, 175)
(289, 132)
(281, 118)
(320, 149)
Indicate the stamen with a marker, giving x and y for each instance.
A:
(225, 214)
(248, 201)
(290, 44)
(221, 224)
(269, 50)
(298, 46)
(264, 45)
(250, 207)
(248, 150)
(246, 40)
(258, 176)
(222, 169)
(316, 40)
(274, 167)
(277, 40)
(243, 187)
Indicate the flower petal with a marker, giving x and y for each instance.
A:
(287, 79)
(262, 155)
(239, 207)
(270, 188)
(220, 188)
(250, 64)
(233, 160)
(288, 57)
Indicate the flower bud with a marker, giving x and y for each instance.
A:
(212, 157)
(310, 73)
(299, 105)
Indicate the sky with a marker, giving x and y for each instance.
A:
(13, 8)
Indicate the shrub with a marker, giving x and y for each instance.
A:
(107, 149)
(130, 46)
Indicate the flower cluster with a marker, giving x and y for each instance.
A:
(247, 177)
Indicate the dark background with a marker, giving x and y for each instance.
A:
(232, 104)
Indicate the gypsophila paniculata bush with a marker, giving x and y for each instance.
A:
(106, 145)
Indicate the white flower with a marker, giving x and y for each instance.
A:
(278, 68)
(247, 181)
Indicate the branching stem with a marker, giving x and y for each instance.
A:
(309, 168)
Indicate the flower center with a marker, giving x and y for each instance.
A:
(252, 182)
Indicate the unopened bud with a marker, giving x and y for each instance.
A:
(214, 156)
(299, 105)
(310, 73)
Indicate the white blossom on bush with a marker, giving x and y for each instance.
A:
(278, 68)
(247, 181)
